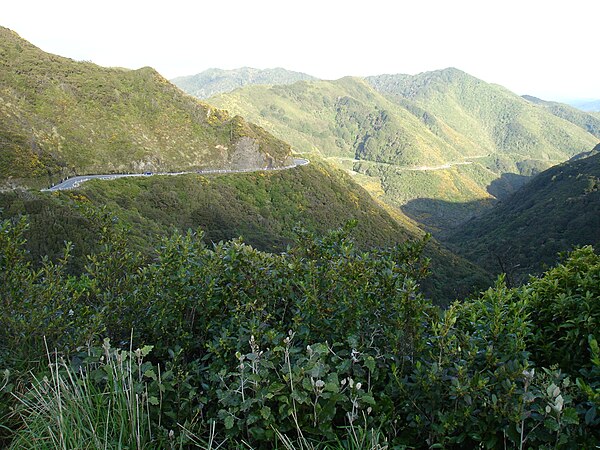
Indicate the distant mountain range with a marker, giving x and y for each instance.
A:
(59, 117)
(440, 145)
(586, 105)
(217, 81)
(558, 209)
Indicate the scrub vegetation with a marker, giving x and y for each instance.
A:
(322, 346)
(60, 117)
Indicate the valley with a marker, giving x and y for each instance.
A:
(482, 141)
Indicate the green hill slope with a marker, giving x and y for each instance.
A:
(59, 117)
(215, 81)
(585, 120)
(504, 129)
(263, 208)
(558, 209)
(442, 135)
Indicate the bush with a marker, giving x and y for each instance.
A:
(321, 346)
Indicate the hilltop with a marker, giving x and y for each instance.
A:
(60, 117)
(216, 81)
(440, 146)
(557, 210)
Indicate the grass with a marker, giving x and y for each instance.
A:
(69, 409)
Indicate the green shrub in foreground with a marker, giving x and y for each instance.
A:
(308, 346)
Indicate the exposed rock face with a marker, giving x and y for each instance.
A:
(246, 155)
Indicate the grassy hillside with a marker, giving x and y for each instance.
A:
(215, 81)
(557, 210)
(441, 146)
(59, 117)
(263, 208)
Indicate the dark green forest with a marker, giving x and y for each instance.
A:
(556, 211)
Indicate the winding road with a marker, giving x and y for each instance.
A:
(75, 182)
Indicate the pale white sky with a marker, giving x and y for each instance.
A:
(544, 48)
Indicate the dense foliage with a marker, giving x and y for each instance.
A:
(317, 344)
(60, 117)
(557, 210)
(580, 118)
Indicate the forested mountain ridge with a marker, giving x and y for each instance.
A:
(440, 146)
(557, 210)
(495, 121)
(216, 81)
(60, 117)
(582, 119)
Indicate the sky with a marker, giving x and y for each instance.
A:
(544, 48)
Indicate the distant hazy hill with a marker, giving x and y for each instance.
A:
(586, 105)
(582, 119)
(60, 117)
(215, 81)
(263, 208)
(558, 209)
(440, 145)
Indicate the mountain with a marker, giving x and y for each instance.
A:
(264, 208)
(60, 117)
(216, 81)
(582, 119)
(496, 123)
(557, 210)
(441, 146)
(586, 105)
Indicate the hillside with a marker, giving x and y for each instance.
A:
(263, 208)
(557, 210)
(440, 146)
(582, 119)
(508, 133)
(60, 117)
(216, 81)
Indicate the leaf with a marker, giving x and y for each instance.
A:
(368, 399)
(153, 400)
(551, 424)
(370, 363)
(146, 349)
(570, 416)
(590, 415)
(265, 412)
(228, 422)
(552, 389)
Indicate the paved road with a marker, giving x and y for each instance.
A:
(75, 182)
